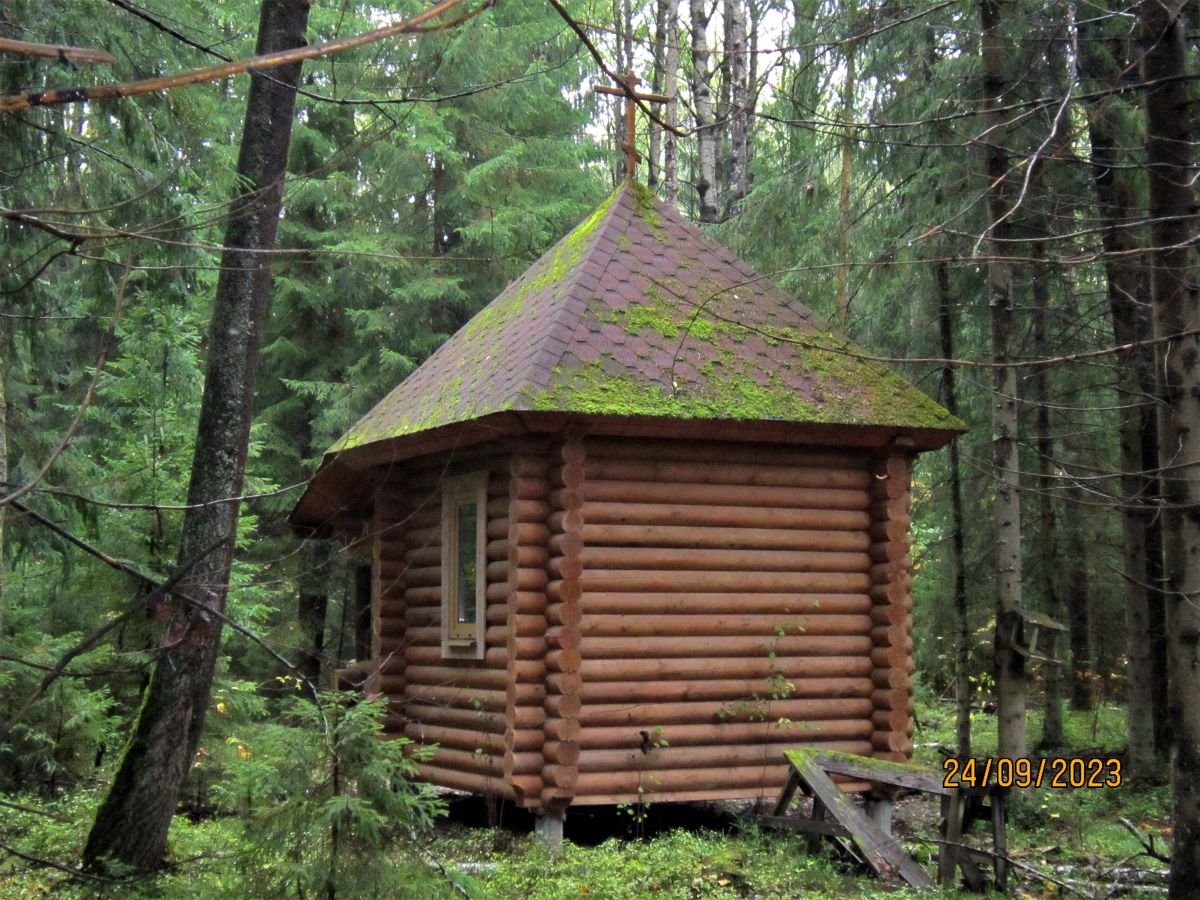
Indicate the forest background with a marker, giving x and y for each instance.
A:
(995, 196)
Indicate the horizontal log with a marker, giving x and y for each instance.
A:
(783, 604)
(456, 697)
(456, 738)
(881, 573)
(892, 657)
(891, 552)
(530, 534)
(525, 694)
(892, 698)
(889, 635)
(565, 567)
(526, 647)
(566, 660)
(564, 614)
(523, 579)
(708, 472)
(460, 676)
(528, 461)
(495, 658)
(891, 678)
(564, 753)
(892, 742)
(719, 516)
(497, 573)
(731, 689)
(695, 536)
(473, 719)
(499, 529)
(423, 596)
(896, 591)
(391, 685)
(527, 789)
(802, 645)
(670, 757)
(714, 712)
(532, 603)
(571, 683)
(527, 670)
(498, 591)
(417, 557)
(650, 581)
(522, 763)
(518, 510)
(528, 488)
(892, 720)
(787, 733)
(647, 783)
(721, 495)
(392, 625)
(496, 613)
(563, 777)
(563, 706)
(887, 530)
(470, 782)
(891, 614)
(555, 729)
(712, 666)
(721, 626)
(423, 576)
(723, 451)
(521, 739)
(692, 560)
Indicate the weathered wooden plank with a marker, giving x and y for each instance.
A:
(882, 852)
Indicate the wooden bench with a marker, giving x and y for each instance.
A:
(836, 816)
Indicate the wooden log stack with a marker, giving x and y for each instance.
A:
(891, 610)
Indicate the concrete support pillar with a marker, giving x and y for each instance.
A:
(549, 827)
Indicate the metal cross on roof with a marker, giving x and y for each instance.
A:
(629, 91)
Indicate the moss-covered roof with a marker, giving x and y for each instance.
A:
(637, 313)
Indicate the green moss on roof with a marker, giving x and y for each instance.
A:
(656, 299)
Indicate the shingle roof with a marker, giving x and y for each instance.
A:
(637, 313)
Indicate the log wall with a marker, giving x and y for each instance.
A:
(724, 611)
(462, 705)
(891, 610)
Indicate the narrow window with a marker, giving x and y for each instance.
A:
(464, 564)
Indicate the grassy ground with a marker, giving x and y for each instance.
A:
(1070, 835)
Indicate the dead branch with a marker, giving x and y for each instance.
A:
(414, 25)
(1146, 839)
(53, 51)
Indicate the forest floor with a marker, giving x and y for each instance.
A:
(1066, 843)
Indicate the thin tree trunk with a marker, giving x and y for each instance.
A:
(1047, 546)
(962, 631)
(312, 606)
(131, 825)
(656, 85)
(1079, 618)
(1170, 170)
(707, 189)
(1011, 677)
(671, 89)
(847, 154)
(1128, 297)
(735, 52)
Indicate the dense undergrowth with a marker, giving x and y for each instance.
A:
(310, 805)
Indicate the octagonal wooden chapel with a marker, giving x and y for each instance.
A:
(636, 528)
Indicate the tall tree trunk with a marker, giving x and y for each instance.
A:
(735, 52)
(1079, 619)
(1047, 546)
(131, 825)
(312, 606)
(962, 630)
(707, 188)
(661, 40)
(847, 154)
(1011, 677)
(1170, 169)
(671, 89)
(1128, 299)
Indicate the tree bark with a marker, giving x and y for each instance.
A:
(661, 39)
(1170, 171)
(847, 162)
(707, 188)
(312, 606)
(131, 825)
(671, 89)
(1011, 677)
(962, 644)
(1079, 619)
(1128, 302)
(735, 52)
(1047, 546)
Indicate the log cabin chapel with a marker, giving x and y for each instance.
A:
(636, 528)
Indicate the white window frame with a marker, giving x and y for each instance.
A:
(464, 639)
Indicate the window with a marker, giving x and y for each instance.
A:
(464, 564)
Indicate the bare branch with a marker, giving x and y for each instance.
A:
(52, 51)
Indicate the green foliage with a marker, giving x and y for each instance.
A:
(325, 804)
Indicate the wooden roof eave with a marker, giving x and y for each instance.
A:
(340, 492)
